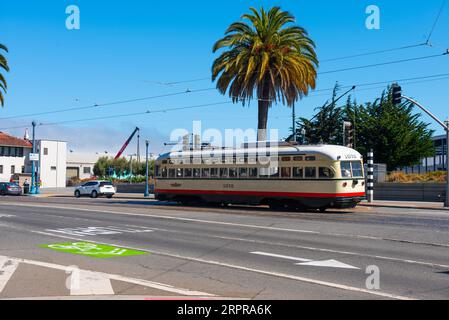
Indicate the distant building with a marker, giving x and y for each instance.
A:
(81, 165)
(436, 162)
(14, 157)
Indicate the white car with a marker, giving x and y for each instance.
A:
(95, 189)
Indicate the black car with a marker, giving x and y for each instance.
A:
(10, 188)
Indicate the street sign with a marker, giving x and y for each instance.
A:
(34, 156)
(92, 249)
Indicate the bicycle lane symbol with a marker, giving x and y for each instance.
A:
(92, 249)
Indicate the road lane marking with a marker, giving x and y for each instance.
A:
(94, 231)
(279, 256)
(7, 268)
(141, 282)
(231, 224)
(6, 215)
(269, 273)
(307, 262)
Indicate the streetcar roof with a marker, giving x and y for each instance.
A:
(332, 152)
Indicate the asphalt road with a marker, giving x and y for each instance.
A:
(238, 252)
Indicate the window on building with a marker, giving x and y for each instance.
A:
(23, 169)
(20, 152)
(45, 151)
(13, 169)
(53, 168)
(12, 152)
(86, 170)
(1, 169)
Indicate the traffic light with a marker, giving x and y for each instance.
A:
(396, 94)
(348, 134)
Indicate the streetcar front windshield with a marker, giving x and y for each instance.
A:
(351, 169)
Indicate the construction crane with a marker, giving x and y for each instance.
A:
(119, 154)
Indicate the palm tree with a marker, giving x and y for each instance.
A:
(267, 57)
(4, 66)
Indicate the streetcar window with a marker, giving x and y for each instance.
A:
(188, 172)
(171, 173)
(285, 159)
(325, 173)
(164, 172)
(243, 173)
(298, 159)
(272, 172)
(346, 169)
(196, 173)
(164, 161)
(286, 172)
(179, 173)
(252, 172)
(223, 172)
(157, 171)
(233, 173)
(357, 170)
(298, 173)
(310, 172)
(206, 173)
(311, 158)
(214, 173)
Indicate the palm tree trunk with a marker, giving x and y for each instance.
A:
(263, 112)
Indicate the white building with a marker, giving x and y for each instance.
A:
(14, 157)
(52, 164)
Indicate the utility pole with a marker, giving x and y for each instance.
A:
(147, 191)
(130, 167)
(370, 182)
(446, 203)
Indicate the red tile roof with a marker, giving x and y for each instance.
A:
(9, 141)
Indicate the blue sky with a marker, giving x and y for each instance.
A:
(124, 48)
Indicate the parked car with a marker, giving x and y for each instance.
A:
(10, 188)
(95, 189)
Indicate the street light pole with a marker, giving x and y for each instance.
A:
(446, 203)
(33, 168)
(147, 191)
(445, 125)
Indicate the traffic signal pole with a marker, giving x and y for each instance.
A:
(445, 125)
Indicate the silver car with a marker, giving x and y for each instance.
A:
(95, 189)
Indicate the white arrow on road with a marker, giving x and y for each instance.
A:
(307, 262)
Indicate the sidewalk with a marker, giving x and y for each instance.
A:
(405, 205)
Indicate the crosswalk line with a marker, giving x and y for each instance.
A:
(7, 268)
(83, 283)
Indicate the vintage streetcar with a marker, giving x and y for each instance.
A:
(280, 175)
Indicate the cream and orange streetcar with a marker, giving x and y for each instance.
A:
(281, 175)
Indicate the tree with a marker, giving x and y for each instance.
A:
(4, 66)
(326, 126)
(269, 58)
(396, 134)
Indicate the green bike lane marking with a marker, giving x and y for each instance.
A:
(92, 249)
